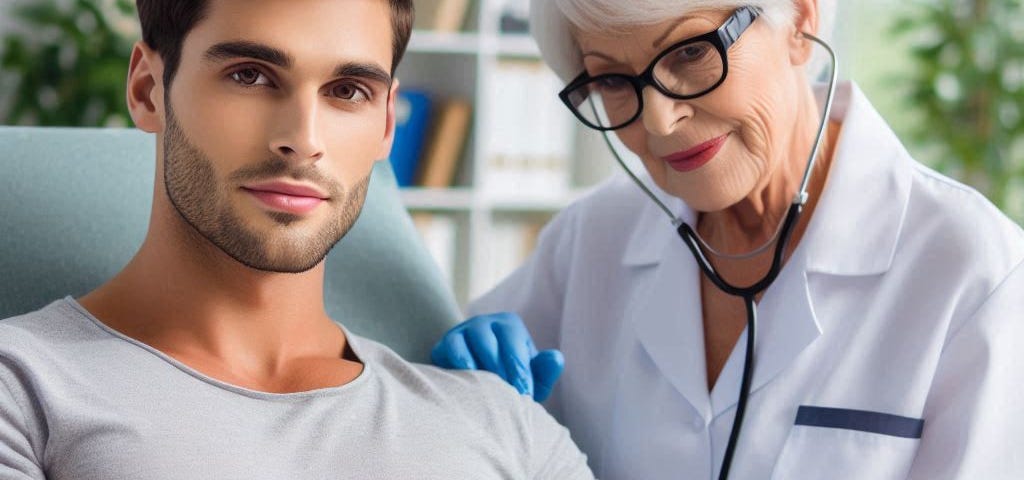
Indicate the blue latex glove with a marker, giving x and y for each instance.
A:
(500, 343)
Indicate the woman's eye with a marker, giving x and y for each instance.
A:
(250, 77)
(692, 53)
(348, 91)
(612, 84)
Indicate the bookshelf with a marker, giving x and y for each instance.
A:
(484, 224)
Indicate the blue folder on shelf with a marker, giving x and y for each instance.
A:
(412, 109)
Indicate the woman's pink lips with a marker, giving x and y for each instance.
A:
(696, 157)
(295, 204)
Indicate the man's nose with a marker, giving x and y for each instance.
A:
(297, 135)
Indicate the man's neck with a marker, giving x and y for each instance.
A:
(180, 294)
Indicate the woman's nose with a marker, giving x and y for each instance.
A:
(661, 114)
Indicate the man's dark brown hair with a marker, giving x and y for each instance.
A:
(165, 23)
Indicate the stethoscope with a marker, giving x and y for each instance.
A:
(748, 294)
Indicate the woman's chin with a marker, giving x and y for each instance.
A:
(702, 199)
(711, 207)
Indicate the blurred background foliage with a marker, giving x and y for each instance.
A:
(966, 81)
(947, 74)
(70, 61)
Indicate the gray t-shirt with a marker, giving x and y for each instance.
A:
(80, 401)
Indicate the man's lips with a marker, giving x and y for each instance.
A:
(696, 157)
(286, 197)
(294, 190)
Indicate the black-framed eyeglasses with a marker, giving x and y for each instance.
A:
(688, 69)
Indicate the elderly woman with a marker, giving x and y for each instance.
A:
(887, 299)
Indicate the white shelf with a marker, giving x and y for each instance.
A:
(424, 41)
(437, 199)
(533, 203)
(464, 200)
(518, 45)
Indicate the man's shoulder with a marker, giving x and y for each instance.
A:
(55, 336)
(37, 346)
(49, 325)
(491, 412)
(428, 380)
(478, 400)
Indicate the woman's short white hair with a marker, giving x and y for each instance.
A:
(552, 21)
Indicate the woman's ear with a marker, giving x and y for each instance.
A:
(805, 21)
(145, 92)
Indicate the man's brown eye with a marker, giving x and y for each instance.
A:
(347, 91)
(344, 91)
(246, 76)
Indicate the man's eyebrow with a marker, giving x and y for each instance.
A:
(245, 49)
(368, 71)
(275, 56)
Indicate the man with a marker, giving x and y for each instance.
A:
(211, 355)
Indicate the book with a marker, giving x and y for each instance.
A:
(529, 144)
(439, 234)
(412, 118)
(440, 15)
(447, 141)
(510, 242)
(515, 17)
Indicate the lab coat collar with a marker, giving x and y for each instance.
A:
(666, 315)
(876, 174)
(654, 230)
(787, 324)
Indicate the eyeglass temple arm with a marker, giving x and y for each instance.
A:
(731, 31)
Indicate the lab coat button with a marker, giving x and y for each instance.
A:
(698, 424)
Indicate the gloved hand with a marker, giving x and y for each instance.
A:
(500, 343)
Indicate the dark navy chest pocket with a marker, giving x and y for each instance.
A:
(840, 444)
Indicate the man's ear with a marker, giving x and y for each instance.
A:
(389, 128)
(145, 93)
(806, 21)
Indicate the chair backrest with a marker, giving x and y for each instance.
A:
(74, 208)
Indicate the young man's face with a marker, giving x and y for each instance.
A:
(273, 121)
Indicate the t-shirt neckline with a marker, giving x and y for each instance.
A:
(353, 342)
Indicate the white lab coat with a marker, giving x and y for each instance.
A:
(905, 297)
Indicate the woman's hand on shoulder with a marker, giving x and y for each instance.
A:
(500, 343)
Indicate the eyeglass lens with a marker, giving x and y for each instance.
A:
(611, 101)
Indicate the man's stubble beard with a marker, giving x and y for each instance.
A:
(192, 188)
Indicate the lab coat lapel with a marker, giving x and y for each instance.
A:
(666, 312)
(786, 326)
(876, 174)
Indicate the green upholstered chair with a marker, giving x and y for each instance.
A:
(74, 208)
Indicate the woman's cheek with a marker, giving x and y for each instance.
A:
(756, 129)
(634, 138)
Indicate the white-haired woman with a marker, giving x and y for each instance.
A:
(889, 300)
